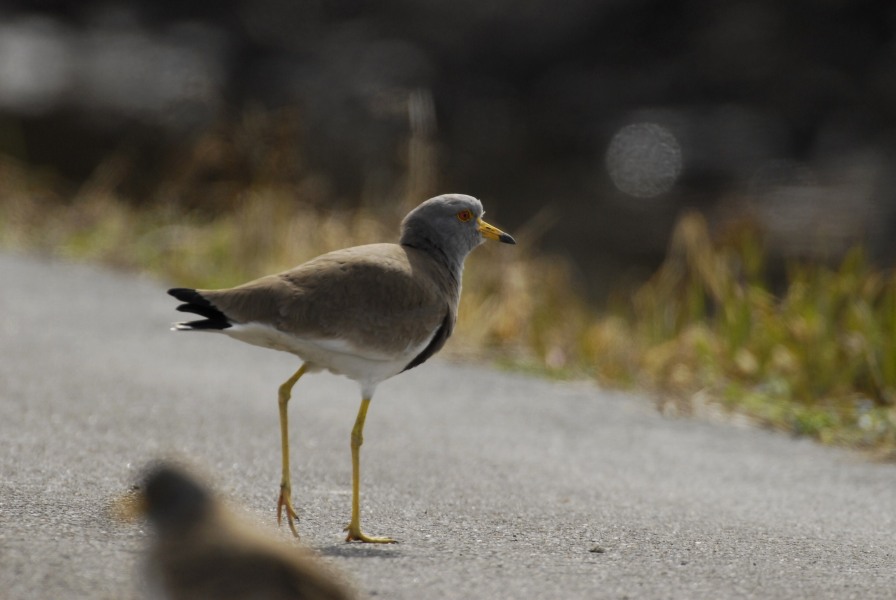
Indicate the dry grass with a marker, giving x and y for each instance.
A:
(818, 358)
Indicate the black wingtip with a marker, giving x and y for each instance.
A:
(196, 303)
(188, 295)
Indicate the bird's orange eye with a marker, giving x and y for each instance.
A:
(465, 215)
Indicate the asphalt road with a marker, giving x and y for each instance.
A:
(498, 485)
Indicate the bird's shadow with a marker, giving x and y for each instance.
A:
(347, 550)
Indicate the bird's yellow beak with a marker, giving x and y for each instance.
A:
(493, 233)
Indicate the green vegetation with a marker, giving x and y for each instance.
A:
(818, 358)
(815, 356)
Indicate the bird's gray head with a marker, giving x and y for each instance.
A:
(174, 500)
(449, 226)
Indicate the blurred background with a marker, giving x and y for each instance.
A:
(702, 191)
(599, 120)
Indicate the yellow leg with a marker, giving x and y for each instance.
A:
(285, 499)
(354, 527)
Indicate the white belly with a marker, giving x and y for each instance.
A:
(365, 365)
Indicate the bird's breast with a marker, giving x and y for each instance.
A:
(367, 365)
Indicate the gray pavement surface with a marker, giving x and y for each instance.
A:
(498, 485)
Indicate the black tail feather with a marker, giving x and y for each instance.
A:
(203, 324)
(209, 312)
(195, 303)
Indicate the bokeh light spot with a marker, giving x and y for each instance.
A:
(644, 160)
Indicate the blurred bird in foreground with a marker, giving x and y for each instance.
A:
(203, 551)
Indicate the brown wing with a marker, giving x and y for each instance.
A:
(379, 294)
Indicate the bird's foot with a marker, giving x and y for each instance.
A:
(356, 535)
(284, 502)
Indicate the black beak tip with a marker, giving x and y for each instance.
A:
(506, 238)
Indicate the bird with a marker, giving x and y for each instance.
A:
(366, 312)
(203, 550)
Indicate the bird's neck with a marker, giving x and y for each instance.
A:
(451, 267)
